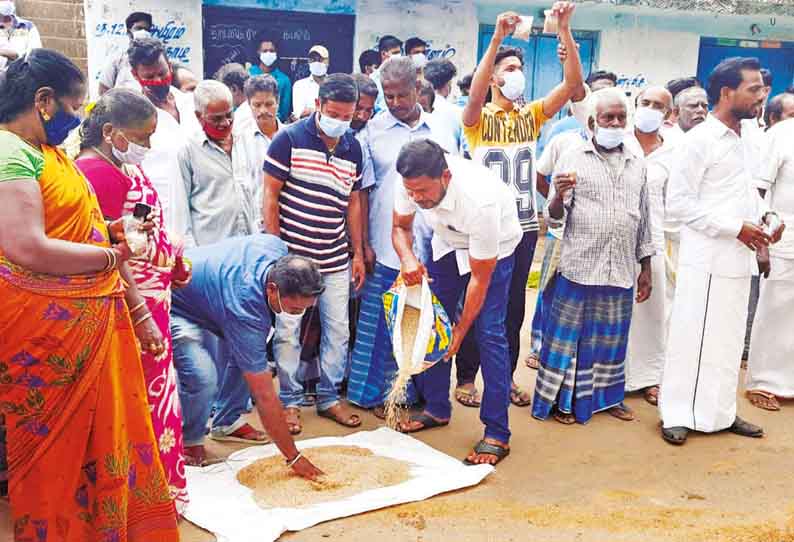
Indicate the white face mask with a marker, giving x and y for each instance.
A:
(514, 85)
(141, 34)
(268, 58)
(609, 138)
(318, 69)
(333, 127)
(134, 155)
(648, 120)
(284, 315)
(420, 60)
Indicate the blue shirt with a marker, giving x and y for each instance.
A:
(382, 139)
(227, 295)
(316, 191)
(284, 90)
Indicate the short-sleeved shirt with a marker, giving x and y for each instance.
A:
(23, 38)
(477, 217)
(316, 192)
(226, 295)
(777, 176)
(502, 141)
(18, 160)
(118, 74)
(284, 90)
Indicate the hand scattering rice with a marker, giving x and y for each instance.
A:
(349, 470)
(396, 398)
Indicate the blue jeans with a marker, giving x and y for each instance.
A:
(198, 374)
(335, 335)
(491, 336)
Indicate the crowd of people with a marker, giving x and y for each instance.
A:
(274, 217)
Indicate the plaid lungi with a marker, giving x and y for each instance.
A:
(548, 273)
(584, 350)
(372, 366)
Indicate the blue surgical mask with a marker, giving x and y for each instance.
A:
(59, 126)
(333, 127)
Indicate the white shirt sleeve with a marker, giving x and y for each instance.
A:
(180, 203)
(770, 160)
(34, 39)
(403, 205)
(109, 73)
(581, 110)
(683, 203)
(484, 242)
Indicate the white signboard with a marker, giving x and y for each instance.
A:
(177, 24)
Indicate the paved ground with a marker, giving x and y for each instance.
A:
(608, 481)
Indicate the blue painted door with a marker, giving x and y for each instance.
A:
(774, 55)
(542, 68)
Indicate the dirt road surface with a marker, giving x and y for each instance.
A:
(608, 481)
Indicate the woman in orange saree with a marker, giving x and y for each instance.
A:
(81, 450)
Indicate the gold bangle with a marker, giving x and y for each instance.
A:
(138, 306)
(107, 260)
(142, 319)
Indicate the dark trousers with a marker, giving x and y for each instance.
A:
(468, 358)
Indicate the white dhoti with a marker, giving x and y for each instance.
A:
(704, 351)
(648, 333)
(770, 367)
(672, 243)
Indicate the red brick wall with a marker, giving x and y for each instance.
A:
(61, 24)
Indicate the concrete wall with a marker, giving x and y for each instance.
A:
(61, 24)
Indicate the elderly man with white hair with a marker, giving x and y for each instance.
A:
(600, 194)
(217, 206)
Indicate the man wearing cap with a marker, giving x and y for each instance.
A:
(117, 72)
(17, 36)
(305, 91)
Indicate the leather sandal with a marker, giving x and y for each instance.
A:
(486, 448)
(764, 400)
(675, 435)
(745, 429)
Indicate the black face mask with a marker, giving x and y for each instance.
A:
(158, 94)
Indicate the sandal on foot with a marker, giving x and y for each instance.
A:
(519, 397)
(195, 456)
(764, 400)
(652, 395)
(533, 362)
(468, 398)
(379, 412)
(486, 448)
(336, 413)
(675, 435)
(565, 418)
(245, 434)
(622, 412)
(292, 415)
(745, 429)
(427, 421)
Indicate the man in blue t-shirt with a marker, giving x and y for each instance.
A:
(238, 287)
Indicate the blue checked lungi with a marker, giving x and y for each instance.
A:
(582, 361)
(372, 367)
(548, 273)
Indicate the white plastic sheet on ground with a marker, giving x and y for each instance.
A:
(223, 506)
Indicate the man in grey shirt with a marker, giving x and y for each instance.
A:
(600, 195)
(218, 206)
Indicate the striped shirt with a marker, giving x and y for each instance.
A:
(316, 192)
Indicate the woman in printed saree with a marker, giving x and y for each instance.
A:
(81, 448)
(115, 139)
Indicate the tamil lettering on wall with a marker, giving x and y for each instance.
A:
(177, 24)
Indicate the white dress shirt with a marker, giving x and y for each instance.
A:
(304, 94)
(449, 119)
(710, 192)
(777, 177)
(249, 159)
(161, 164)
(477, 217)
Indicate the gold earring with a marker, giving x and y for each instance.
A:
(44, 115)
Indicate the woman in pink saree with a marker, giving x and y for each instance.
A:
(115, 138)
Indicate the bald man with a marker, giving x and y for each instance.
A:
(780, 108)
(647, 337)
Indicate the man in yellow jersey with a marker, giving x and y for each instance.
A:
(500, 135)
